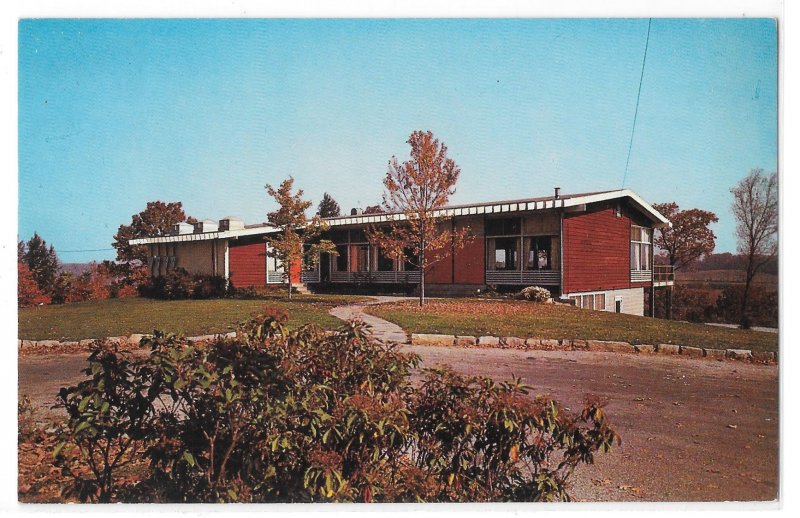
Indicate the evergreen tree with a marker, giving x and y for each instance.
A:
(328, 208)
(41, 261)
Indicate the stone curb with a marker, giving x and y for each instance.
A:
(132, 340)
(504, 342)
(565, 344)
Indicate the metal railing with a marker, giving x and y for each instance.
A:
(663, 273)
(376, 277)
(526, 277)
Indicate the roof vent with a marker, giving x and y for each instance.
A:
(356, 212)
(206, 225)
(557, 193)
(231, 223)
(182, 228)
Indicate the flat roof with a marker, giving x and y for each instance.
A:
(493, 207)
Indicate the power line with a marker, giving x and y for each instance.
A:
(76, 251)
(638, 95)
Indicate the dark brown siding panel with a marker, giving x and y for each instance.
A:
(248, 264)
(596, 251)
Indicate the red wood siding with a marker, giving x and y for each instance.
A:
(596, 251)
(471, 259)
(248, 264)
(441, 272)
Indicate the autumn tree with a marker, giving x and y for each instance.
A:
(296, 241)
(28, 292)
(689, 238)
(157, 219)
(755, 208)
(416, 190)
(41, 260)
(373, 209)
(328, 208)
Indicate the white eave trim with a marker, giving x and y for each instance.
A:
(205, 236)
(480, 208)
(655, 216)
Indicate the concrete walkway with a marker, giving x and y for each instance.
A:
(378, 328)
(754, 328)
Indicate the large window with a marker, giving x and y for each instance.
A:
(539, 253)
(641, 247)
(503, 253)
(503, 227)
(382, 263)
(340, 265)
(410, 262)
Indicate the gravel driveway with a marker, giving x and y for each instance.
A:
(692, 430)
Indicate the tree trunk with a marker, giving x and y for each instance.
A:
(421, 287)
(744, 321)
(289, 280)
(422, 265)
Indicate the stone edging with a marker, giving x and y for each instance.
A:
(545, 344)
(55, 346)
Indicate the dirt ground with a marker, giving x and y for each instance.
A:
(692, 430)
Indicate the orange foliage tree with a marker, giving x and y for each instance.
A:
(416, 191)
(28, 292)
(689, 238)
(296, 241)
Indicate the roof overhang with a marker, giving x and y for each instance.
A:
(659, 221)
(203, 236)
(567, 203)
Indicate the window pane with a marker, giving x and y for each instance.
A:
(505, 256)
(635, 251)
(385, 264)
(543, 253)
(645, 256)
(410, 264)
(363, 258)
(341, 259)
(500, 259)
(502, 227)
(358, 236)
(588, 302)
(600, 301)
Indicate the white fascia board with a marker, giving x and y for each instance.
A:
(205, 236)
(655, 216)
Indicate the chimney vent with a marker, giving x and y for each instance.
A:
(355, 211)
(230, 223)
(557, 192)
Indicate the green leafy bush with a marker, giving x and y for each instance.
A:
(180, 284)
(310, 416)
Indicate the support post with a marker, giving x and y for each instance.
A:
(653, 301)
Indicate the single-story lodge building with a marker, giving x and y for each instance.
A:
(594, 248)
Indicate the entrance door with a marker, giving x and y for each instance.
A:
(618, 304)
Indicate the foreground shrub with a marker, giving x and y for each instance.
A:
(309, 416)
(534, 293)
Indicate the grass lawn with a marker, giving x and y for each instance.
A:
(118, 317)
(526, 319)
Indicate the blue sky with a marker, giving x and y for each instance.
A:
(115, 113)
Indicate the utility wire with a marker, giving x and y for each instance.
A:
(638, 94)
(76, 251)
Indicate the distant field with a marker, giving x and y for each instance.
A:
(526, 319)
(118, 317)
(724, 276)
